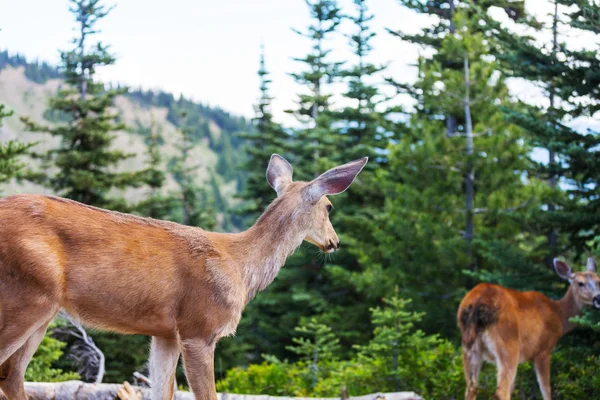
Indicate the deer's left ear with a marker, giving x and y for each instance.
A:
(334, 181)
(563, 270)
(279, 173)
(591, 265)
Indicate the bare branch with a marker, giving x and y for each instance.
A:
(89, 358)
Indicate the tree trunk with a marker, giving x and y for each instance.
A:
(552, 180)
(77, 390)
(470, 174)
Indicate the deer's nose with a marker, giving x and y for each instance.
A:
(333, 246)
(597, 301)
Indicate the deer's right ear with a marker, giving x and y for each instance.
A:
(279, 173)
(591, 265)
(563, 269)
(334, 181)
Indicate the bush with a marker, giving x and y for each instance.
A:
(42, 369)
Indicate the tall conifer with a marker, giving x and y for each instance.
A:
(84, 166)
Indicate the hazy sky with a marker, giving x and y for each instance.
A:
(209, 50)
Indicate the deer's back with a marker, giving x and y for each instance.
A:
(115, 271)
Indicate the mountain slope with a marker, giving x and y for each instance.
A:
(26, 89)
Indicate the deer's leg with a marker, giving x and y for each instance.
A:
(542, 370)
(472, 361)
(507, 362)
(13, 369)
(164, 355)
(19, 323)
(198, 359)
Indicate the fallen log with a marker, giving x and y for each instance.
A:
(77, 390)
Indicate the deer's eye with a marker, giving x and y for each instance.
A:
(329, 208)
(581, 284)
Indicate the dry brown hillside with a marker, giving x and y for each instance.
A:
(28, 98)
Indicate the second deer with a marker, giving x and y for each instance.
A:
(507, 327)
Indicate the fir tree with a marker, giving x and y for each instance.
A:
(10, 153)
(313, 110)
(569, 79)
(317, 346)
(156, 204)
(298, 291)
(85, 162)
(195, 204)
(422, 229)
(268, 138)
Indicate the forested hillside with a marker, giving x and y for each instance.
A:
(26, 87)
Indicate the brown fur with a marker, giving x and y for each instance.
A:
(182, 285)
(507, 327)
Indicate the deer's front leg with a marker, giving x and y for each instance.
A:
(164, 354)
(198, 360)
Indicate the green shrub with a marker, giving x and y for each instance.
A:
(42, 369)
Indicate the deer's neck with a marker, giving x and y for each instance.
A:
(568, 307)
(265, 247)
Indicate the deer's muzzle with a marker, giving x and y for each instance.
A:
(597, 301)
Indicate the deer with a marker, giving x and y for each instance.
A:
(183, 286)
(507, 327)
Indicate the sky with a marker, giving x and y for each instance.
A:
(205, 50)
(209, 50)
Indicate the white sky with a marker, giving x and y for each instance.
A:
(209, 50)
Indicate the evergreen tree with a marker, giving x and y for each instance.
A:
(317, 346)
(422, 230)
(270, 319)
(569, 79)
(195, 203)
(10, 153)
(363, 128)
(316, 138)
(268, 138)
(156, 204)
(85, 162)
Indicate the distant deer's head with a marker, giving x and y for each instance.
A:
(586, 285)
(306, 202)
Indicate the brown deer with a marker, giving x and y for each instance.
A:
(183, 286)
(507, 327)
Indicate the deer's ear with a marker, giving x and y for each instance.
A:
(279, 173)
(563, 269)
(591, 265)
(334, 181)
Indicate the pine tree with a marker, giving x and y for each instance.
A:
(85, 162)
(566, 77)
(364, 127)
(10, 153)
(269, 138)
(316, 138)
(422, 244)
(298, 291)
(317, 346)
(194, 201)
(156, 204)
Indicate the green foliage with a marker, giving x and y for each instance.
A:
(10, 152)
(195, 204)
(399, 357)
(42, 367)
(85, 162)
(156, 204)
